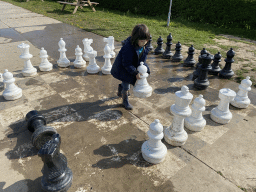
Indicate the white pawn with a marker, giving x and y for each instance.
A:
(241, 100)
(196, 122)
(153, 150)
(110, 42)
(107, 65)
(92, 67)
(87, 47)
(11, 91)
(221, 113)
(28, 70)
(79, 62)
(63, 60)
(45, 65)
(175, 134)
(142, 88)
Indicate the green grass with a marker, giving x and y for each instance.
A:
(119, 24)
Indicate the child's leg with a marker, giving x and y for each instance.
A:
(126, 87)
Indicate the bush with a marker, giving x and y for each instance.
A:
(225, 13)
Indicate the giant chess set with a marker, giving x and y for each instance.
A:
(57, 176)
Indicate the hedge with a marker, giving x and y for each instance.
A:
(227, 13)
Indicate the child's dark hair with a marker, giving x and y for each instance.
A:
(139, 32)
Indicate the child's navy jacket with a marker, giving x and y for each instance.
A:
(125, 66)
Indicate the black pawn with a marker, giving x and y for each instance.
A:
(227, 72)
(215, 65)
(149, 44)
(204, 51)
(57, 176)
(159, 49)
(177, 57)
(168, 53)
(190, 61)
(202, 82)
(41, 133)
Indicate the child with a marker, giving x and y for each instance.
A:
(128, 59)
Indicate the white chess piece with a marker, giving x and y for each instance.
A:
(45, 65)
(63, 60)
(87, 47)
(1, 80)
(196, 122)
(79, 62)
(142, 88)
(221, 113)
(175, 134)
(92, 67)
(11, 91)
(110, 42)
(107, 65)
(241, 100)
(28, 70)
(153, 150)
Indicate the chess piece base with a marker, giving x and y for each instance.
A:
(214, 72)
(226, 74)
(82, 65)
(201, 85)
(10, 95)
(106, 71)
(240, 102)
(176, 59)
(142, 92)
(61, 186)
(93, 70)
(29, 73)
(194, 124)
(154, 156)
(48, 68)
(65, 63)
(175, 139)
(220, 116)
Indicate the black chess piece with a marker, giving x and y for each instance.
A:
(202, 82)
(168, 53)
(177, 57)
(215, 65)
(159, 49)
(41, 133)
(227, 72)
(149, 44)
(57, 176)
(204, 51)
(190, 61)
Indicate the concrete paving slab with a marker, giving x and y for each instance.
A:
(234, 154)
(3, 25)
(19, 15)
(9, 35)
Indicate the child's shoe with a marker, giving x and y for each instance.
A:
(126, 103)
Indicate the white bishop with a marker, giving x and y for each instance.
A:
(63, 60)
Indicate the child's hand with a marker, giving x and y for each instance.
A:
(138, 76)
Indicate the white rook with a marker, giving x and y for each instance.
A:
(28, 70)
(79, 62)
(63, 60)
(45, 65)
(175, 134)
(107, 65)
(196, 122)
(221, 113)
(153, 150)
(87, 47)
(241, 100)
(92, 67)
(11, 91)
(142, 88)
